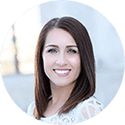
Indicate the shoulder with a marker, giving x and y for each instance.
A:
(90, 107)
(30, 108)
(94, 102)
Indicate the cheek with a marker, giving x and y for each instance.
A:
(76, 62)
(47, 63)
(78, 67)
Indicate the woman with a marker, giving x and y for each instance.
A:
(64, 74)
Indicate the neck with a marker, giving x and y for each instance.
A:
(60, 94)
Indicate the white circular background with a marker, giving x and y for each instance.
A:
(107, 48)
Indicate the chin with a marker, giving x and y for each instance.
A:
(62, 83)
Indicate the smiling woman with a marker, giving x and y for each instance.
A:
(64, 74)
(61, 55)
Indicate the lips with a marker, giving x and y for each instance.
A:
(62, 72)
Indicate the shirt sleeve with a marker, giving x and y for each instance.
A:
(90, 108)
(30, 109)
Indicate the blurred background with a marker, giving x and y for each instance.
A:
(17, 52)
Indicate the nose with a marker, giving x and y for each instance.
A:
(61, 60)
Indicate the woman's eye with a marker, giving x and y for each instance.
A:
(52, 51)
(72, 51)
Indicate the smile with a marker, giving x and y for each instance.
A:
(62, 72)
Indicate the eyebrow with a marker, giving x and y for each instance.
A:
(68, 46)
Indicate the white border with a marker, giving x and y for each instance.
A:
(113, 10)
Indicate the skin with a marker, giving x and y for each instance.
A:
(61, 65)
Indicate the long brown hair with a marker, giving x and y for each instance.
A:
(85, 84)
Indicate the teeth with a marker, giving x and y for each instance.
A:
(62, 71)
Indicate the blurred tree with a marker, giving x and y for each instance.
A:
(14, 40)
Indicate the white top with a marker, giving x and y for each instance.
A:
(80, 113)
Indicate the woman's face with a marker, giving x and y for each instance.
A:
(61, 58)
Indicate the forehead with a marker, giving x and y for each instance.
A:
(59, 36)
